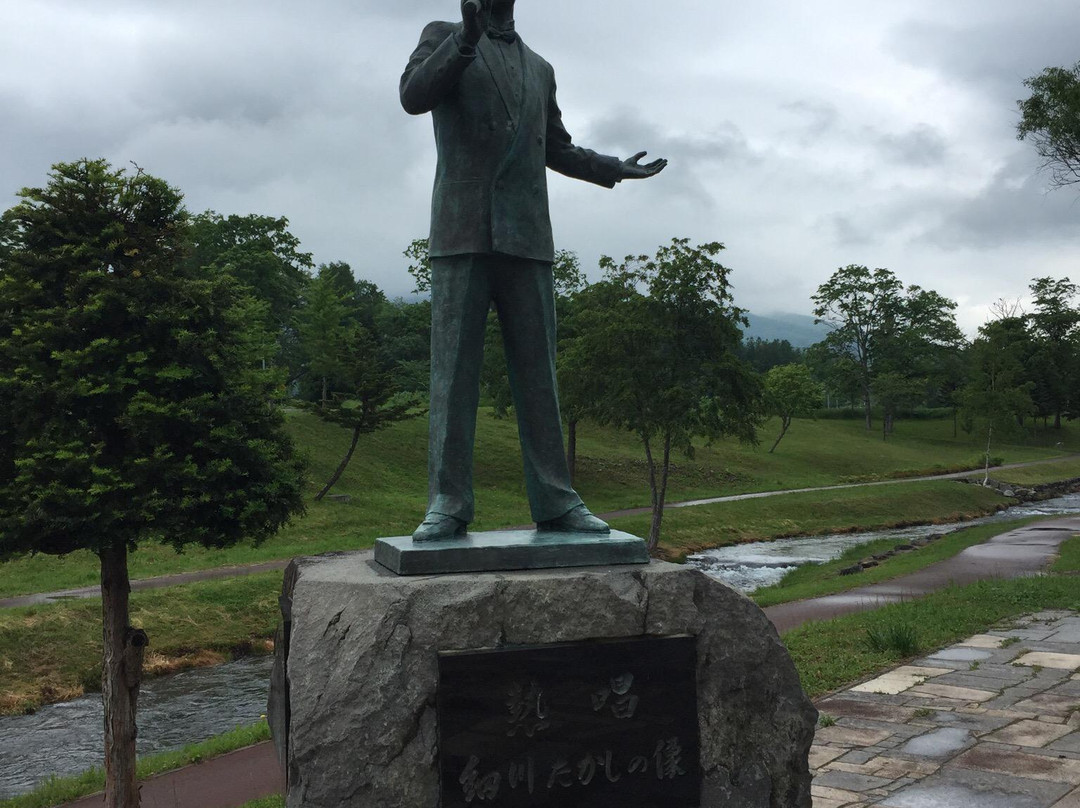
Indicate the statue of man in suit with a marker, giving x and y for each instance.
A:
(497, 130)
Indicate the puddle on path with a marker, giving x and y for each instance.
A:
(939, 743)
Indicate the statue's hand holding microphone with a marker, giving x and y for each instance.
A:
(473, 13)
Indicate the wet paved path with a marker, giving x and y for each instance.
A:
(992, 722)
(267, 566)
(1015, 554)
(228, 781)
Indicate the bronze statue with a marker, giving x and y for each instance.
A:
(497, 130)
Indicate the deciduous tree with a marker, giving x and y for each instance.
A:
(368, 400)
(790, 391)
(997, 391)
(1050, 118)
(654, 353)
(854, 302)
(265, 258)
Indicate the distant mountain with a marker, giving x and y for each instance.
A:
(798, 329)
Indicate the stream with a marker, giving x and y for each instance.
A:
(174, 711)
(66, 739)
(747, 567)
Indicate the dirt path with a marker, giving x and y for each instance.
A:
(251, 569)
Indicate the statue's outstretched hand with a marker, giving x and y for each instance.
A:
(470, 17)
(632, 170)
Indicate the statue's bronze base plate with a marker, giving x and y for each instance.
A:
(502, 550)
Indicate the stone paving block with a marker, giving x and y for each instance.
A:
(899, 783)
(838, 795)
(851, 768)
(897, 681)
(825, 802)
(895, 767)
(1011, 715)
(1020, 764)
(1004, 673)
(1028, 733)
(850, 781)
(850, 736)
(963, 788)
(965, 679)
(965, 694)
(1051, 615)
(1050, 703)
(957, 654)
(979, 723)
(1070, 743)
(1031, 633)
(854, 708)
(1010, 699)
(1071, 800)
(858, 756)
(821, 755)
(983, 641)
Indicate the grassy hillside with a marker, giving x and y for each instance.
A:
(388, 488)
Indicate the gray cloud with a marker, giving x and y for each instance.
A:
(993, 46)
(922, 147)
(1013, 208)
(805, 138)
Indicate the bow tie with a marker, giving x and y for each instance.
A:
(505, 34)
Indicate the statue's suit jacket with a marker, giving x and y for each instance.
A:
(495, 138)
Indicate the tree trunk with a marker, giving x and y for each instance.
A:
(785, 422)
(1057, 420)
(659, 490)
(121, 674)
(571, 448)
(341, 466)
(654, 496)
(324, 392)
(989, 437)
(867, 411)
(955, 419)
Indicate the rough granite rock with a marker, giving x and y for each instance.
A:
(355, 720)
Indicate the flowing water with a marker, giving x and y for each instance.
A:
(747, 567)
(66, 739)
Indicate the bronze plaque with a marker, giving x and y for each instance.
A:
(606, 724)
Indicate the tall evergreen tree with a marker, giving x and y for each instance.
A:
(136, 406)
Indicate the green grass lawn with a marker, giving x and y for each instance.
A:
(387, 483)
(1034, 475)
(688, 530)
(53, 653)
(834, 653)
(815, 580)
(1068, 559)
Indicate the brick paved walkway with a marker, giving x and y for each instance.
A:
(993, 722)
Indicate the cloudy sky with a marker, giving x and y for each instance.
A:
(804, 136)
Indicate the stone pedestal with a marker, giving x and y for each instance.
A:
(353, 703)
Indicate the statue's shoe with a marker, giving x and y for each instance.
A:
(578, 520)
(437, 527)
